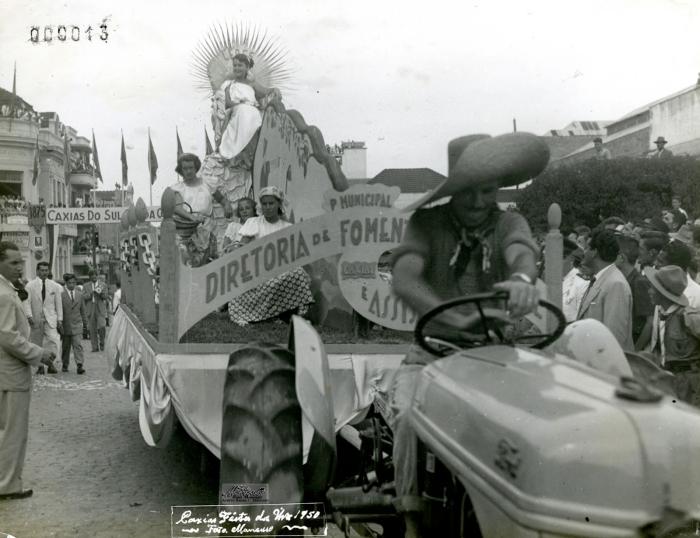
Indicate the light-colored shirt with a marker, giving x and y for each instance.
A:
(692, 293)
(658, 333)
(573, 289)
(116, 300)
(197, 197)
(233, 231)
(258, 227)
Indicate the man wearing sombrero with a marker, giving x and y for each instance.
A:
(661, 151)
(674, 338)
(464, 246)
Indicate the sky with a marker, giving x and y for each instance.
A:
(404, 77)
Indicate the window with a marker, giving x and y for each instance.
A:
(10, 183)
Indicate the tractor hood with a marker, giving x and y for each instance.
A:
(549, 438)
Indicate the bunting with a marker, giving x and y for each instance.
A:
(179, 144)
(152, 160)
(96, 159)
(209, 149)
(125, 167)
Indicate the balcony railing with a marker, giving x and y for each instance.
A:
(14, 215)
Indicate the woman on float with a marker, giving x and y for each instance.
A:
(288, 292)
(193, 213)
(236, 116)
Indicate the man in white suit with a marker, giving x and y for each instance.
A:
(17, 356)
(44, 311)
(609, 297)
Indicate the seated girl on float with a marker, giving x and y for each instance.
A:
(280, 295)
(245, 209)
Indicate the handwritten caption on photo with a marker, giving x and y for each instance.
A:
(235, 521)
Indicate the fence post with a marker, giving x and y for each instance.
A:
(554, 261)
(169, 272)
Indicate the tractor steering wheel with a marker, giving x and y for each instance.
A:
(451, 340)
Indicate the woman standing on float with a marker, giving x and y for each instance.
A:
(236, 118)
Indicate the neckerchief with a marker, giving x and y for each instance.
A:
(470, 239)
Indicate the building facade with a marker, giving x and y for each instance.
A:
(675, 117)
(352, 157)
(31, 177)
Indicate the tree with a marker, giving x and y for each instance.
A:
(633, 189)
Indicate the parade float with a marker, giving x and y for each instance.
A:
(515, 440)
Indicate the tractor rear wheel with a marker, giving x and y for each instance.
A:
(261, 439)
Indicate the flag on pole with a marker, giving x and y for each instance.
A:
(66, 160)
(125, 167)
(96, 159)
(35, 174)
(14, 95)
(179, 144)
(207, 143)
(152, 160)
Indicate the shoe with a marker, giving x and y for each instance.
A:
(81, 370)
(64, 369)
(16, 495)
(52, 369)
(40, 370)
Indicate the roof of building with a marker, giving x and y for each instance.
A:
(409, 180)
(646, 107)
(580, 128)
(6, 99)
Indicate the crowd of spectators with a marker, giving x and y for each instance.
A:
(641, 280)
(12, 204)
(19, 111)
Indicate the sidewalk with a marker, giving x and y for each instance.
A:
(92, 474)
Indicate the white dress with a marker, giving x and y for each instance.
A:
(245, 118)
(200, 247)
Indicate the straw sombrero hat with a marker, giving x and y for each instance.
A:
(504, 160)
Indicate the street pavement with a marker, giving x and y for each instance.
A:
(92, 474)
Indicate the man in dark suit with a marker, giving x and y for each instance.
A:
(73, 320)
(661, 151)
(94, 299)
(608, 298)
(17, 356)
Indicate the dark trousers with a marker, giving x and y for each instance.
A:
(68, 342)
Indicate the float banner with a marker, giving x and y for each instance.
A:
(94, 215)
(237, 521)
(360, 236)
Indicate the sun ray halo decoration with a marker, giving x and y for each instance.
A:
(213, 57)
